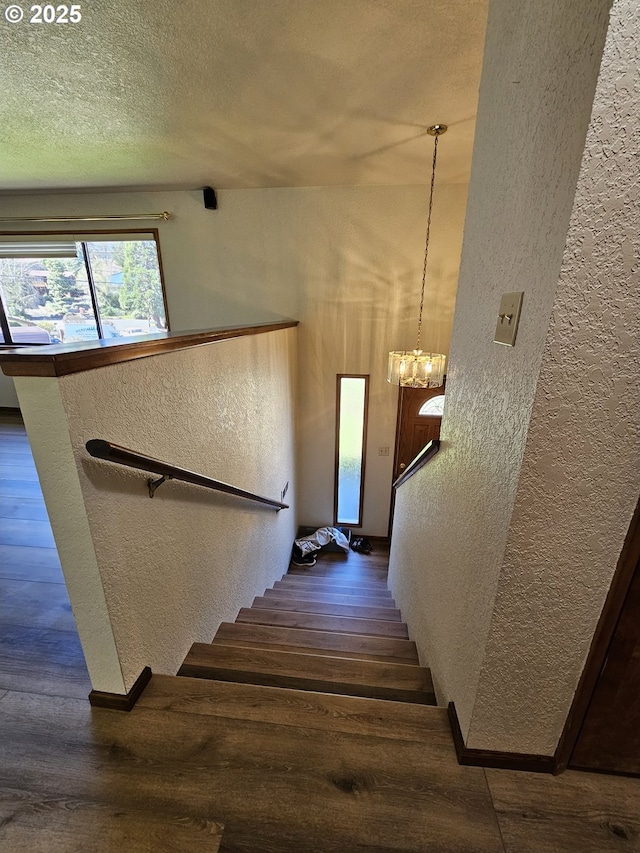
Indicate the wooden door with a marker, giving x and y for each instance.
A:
(414, 430)
(609, 740)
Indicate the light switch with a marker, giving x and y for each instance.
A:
(508, 317)
(383, 451)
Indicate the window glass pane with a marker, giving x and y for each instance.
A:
(351, 420)
(126, 274)
(433, 407)
(46, 301)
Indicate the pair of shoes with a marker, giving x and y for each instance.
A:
(305, 560)
(361, 545)
(300, 559)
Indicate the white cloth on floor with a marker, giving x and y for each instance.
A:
(322, 536)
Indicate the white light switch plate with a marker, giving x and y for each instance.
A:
(508, 317)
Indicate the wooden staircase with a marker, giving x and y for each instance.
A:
(278, 739)
(332, 628)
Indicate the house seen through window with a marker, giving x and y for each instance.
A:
(66, 289)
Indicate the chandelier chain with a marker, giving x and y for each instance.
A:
(426, 244)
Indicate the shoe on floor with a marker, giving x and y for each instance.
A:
(361, 545)
(304, 560)
(300, 559)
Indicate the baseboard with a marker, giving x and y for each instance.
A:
(626, 774)
(491, 758)
(119, 701)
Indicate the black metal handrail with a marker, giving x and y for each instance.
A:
(101, 449)
(428, 452)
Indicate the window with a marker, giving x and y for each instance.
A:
(351, 439)
(433, 407)
(56, 288)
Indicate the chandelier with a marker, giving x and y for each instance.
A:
(415, 368)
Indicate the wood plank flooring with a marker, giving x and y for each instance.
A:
(582, 812)
(36, 823)
(284, 770)
(276, 788)
(39, 647)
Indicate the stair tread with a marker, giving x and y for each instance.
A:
(340, 573)
(329, 586)
(322, 581)
(288, 647)
(309, 709)
(303, 606)
(329, 597)
(320, 642)
(321, 622)
(400, 682)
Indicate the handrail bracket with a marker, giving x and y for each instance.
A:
(155, 484)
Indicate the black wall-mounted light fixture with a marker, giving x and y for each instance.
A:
(209, 197)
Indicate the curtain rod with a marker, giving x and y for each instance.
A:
(120, 217)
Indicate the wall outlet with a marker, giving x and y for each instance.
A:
(383, 451)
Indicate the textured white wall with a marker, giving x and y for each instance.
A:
(174, 567)
(345, 261)
(360, 273)
(452, 518)
(8, 395)
(580, 476)
(48, 431)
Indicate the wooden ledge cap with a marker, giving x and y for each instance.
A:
(63, 359)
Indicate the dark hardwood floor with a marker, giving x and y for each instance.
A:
(39, 647)
(267, 769)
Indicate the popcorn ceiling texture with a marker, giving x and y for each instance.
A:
(238, 93)
(452, 519)
(174, 567)
(580, 476)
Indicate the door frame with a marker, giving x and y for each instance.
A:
(436, 392)
(605, 629)
(441, 389)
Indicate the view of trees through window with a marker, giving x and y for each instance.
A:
(110, 289)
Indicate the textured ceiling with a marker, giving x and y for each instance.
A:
(239, 93)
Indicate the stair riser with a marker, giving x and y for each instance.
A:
(271, 680)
